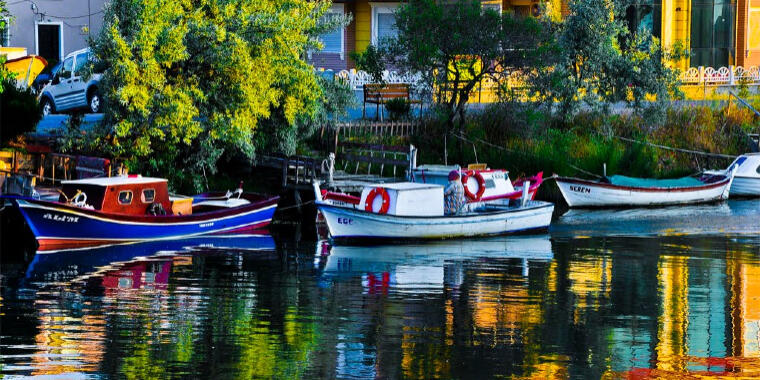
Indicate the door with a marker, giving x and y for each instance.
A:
(49, 42)
(78, 89)
(60, 89)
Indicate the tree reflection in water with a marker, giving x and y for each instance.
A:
(526, 307)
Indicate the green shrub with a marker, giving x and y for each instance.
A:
(19, 111)
(398, 108)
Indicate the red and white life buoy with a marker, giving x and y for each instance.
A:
(474, 196)
(368, 203)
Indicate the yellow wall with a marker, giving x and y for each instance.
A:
(676, 25)
(363, 18)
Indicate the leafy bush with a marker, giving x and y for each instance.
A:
(372, 61)
(398, 107)
(19, 111)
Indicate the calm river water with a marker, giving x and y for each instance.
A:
(650, 293)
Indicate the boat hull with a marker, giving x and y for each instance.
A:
(346, 224)
(583, 193)
(60, 226)
(745, 187)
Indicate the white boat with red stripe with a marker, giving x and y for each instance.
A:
(407, 210)
(620, 191)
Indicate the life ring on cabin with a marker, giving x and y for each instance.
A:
(80, 199)
(156, 208)
(481, 185)
(371, 199)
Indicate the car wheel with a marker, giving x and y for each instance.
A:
(94, 102)
(47, 107)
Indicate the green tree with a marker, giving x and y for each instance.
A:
(595, 60)
(455, 45)
(4, 73)
(187, 79)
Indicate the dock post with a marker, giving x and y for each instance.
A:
(284, 173)
(412, 161)
(330, 168)
(525, 193)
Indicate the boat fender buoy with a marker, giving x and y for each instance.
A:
(371, 199)
(80, 199)
(481, 185)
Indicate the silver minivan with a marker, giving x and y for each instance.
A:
(68, 90)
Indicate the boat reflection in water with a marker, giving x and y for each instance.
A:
(611, 307)
(86, 303)
(78, 264)
(431, 266)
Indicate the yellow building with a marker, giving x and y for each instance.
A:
(717, 32)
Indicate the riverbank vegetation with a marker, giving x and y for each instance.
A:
(525, 141)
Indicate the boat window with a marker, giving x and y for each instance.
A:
(490, 184)
(148, 195)
(125, 197)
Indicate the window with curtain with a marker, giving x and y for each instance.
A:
(712, 32)
(386, 25)
(333, 41)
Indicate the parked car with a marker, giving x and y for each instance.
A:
(69, 89)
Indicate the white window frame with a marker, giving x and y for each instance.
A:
(376, 9)
(337, 8)
(495, 6)
(60, 37)
(7, 21)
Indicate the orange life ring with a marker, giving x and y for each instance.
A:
(371, 198)
(481, 185)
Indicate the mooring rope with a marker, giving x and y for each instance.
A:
(462, 137)
(707, 154)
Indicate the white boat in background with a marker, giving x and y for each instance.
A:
(747, 176)
(408, 210)
(481, 184)
(621, 191)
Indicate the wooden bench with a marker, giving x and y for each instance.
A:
(378, 93)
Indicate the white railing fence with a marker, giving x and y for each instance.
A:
(357, 78)
(731, 75)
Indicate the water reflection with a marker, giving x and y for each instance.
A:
(521, 307)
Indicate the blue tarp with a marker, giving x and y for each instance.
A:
(621, 180)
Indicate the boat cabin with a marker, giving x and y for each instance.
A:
(486, 182)
(748, 165)
(403, 199)
(131, 195)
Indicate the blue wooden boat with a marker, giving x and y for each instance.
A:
(100, 211)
